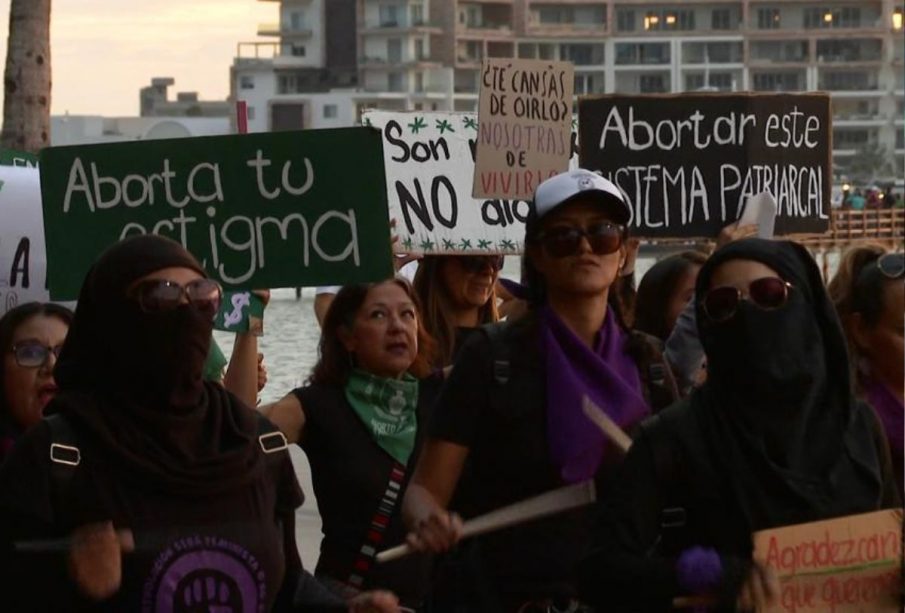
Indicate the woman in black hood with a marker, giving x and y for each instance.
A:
(773, 438)
(164, 492)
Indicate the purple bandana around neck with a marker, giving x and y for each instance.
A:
(607, 375)
(890, 411)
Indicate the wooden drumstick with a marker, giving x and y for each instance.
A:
(609, 427)
(548, 503)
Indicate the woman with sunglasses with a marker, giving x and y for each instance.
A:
(359, 420)
(150, 489)
(773, 438)
(457, 296)
(509, 425)
(868, 294)
(31, 336)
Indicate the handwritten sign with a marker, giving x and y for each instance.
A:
(687, 163)
(525, 113)
(258, 210)
(429, 161)
(23, 263)
(11, 157)
(846, 565)
(241, 312)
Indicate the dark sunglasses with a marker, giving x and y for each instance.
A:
(32, 354)
(561, 242)
(479, 263)
(160, 295)
(892, 265)
(768, 293)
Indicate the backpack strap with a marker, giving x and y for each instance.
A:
(668, 471)
(65, 458)
(657, 381)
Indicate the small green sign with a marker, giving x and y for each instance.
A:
(286, 209)
(11, 157)
(241, 312)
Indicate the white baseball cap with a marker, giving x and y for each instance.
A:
(572, 184)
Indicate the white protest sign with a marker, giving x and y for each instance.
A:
(23, 259)
(429, 160)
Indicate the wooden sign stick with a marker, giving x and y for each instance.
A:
(609, 427)
(549, 503)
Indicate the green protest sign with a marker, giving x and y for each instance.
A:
(241, 312)
(11, 157)
(285, 209)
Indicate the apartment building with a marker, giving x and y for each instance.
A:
(426, 54)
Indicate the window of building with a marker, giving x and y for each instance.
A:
(777, 82)
(297, 20)
(389, 16)
(768, 18)
(652, 84)
(669, 19)
(417, 14)
(721, 19)
(850, 138)
(642, 53)
(588, 84)
(394, 50)
(330, 111)
(847, 81)
(625, 20)
(832, 17)
(546, 51)
(849, 50)
(394, 81)
(897, 19)
(581, 54)
(900, 139)
(527, 50)
(419, 82)
(250, 113)
(298, 50)
(718, 80)
(246, 82)
(419, 50)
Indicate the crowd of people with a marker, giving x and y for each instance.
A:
(137, 475)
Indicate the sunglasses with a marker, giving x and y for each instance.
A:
(892, 265)
(769, 293)
(160, 295)
(32, 354)
(561, 242)
(479, 263)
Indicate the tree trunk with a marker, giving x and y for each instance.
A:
(26, 103)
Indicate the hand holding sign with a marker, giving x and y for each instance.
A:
(241, 312)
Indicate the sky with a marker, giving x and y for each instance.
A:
(104, 51)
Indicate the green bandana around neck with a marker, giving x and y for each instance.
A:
(387, 409)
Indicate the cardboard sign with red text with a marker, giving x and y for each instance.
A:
(525, 119)
(847, 565)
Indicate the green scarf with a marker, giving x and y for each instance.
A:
(387, 409)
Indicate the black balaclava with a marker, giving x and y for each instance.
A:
(132, 380)
(779, 398)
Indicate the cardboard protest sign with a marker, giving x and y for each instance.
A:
(525, 114)
(847, 565)
(241, 312)
(11, 157)
(23, 262)
(284, 209)
(429, 160)
(687, 163)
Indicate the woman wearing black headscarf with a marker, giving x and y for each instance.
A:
(150, 489)
(774, 437)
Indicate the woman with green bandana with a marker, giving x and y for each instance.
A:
(360, 421)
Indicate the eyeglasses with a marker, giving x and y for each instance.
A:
(478, 263)
(157, 295)
(561, 242)
(32, 354)
(892, 265)
(768, 293)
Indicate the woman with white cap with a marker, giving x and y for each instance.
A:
(509, 423)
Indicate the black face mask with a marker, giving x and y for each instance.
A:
(772, 358)
(164, 353)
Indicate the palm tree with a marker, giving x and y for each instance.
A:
(26, 104)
